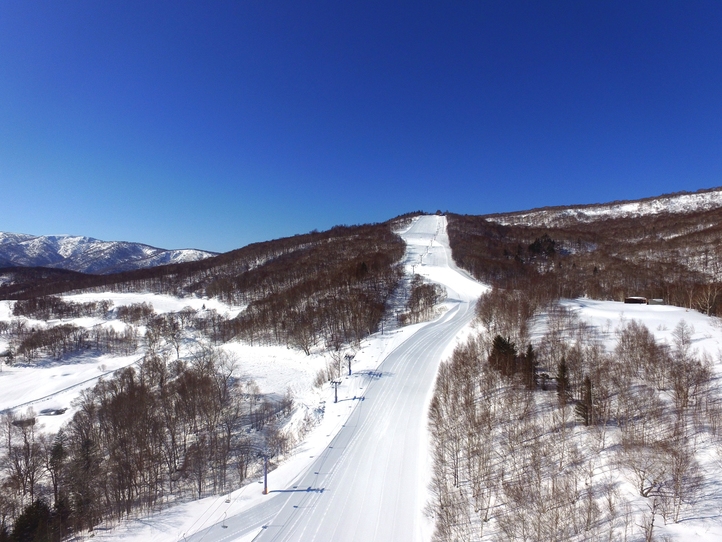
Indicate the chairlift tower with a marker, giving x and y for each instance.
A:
(265, 473)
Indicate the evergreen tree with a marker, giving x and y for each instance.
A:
(543, 245)
(529, 365)
(61, 517)
(503, 355)
(585, 408)
(55, 463)
(33, 525)
(562, 382)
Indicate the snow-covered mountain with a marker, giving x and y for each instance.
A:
(86, 254)
(680, 203)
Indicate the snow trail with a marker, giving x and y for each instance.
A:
(370, 482)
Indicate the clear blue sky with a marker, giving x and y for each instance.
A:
(216, 124)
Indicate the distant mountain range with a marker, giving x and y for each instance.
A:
(87, 255)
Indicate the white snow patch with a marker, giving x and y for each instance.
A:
(675, 204)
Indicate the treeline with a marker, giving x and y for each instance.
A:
(57, 341)
(674, 257)
(29, 341)
(140, 439)
(51, 307)
(25, 282)
(135, 313)
(54, 341)
(535, 442)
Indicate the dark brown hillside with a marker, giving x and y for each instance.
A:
(18, 282)
(676, 257)
(335, 290)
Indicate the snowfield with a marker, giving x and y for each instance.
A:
(607, 316)
(362, 472)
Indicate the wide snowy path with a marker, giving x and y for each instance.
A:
(370, 483)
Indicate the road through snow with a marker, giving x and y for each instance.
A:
(370, 483)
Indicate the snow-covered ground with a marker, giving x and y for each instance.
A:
(607, 316)
(49, 384)
(374, 387)
(701, 520)
(53, 384)
(366, 460)
(678, 203)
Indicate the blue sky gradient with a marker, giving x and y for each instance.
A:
(214, 125)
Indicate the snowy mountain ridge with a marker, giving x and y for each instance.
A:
(87, 255)
(680, 203)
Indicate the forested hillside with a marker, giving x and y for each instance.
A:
(330, 286)
(676, 257)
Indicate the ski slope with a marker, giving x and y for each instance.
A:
(370, 482)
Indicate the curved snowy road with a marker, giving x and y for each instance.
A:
(370, 482)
